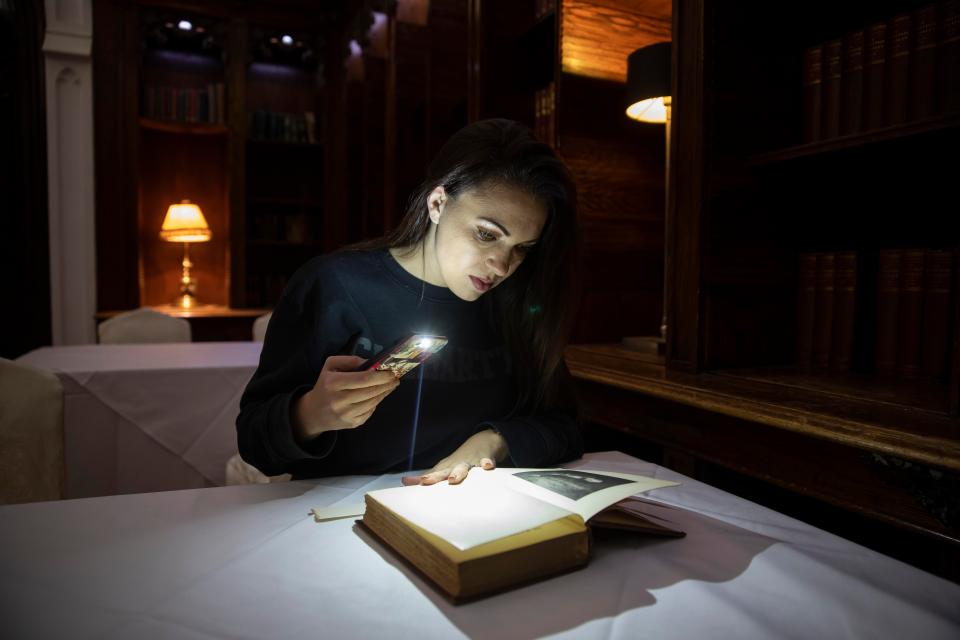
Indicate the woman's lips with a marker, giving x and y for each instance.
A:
(480, 285)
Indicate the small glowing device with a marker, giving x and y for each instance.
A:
(185, 25)
(405, 355)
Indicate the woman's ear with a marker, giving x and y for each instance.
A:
(436, 202)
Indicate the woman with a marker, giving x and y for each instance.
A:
(484, 256)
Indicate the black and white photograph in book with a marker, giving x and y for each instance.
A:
(570, 484)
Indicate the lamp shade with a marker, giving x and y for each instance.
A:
(648, 82)
(184, 222)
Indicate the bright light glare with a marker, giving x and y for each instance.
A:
(425, 343)
(185, 25)
(286, 40)
(651, 110)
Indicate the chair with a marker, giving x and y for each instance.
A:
(143, 325)
(31, 434)
(240, 472)
(260, 327)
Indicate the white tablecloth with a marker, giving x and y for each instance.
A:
(248, 562)
(148, 417)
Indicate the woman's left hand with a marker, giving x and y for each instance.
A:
(482, 449)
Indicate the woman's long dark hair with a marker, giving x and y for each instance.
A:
(534, 307)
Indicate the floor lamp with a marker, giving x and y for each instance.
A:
(648, 100)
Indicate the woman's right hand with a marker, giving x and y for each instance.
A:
(342, 398)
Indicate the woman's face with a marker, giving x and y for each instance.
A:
(482, 236)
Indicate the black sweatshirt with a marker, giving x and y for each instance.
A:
(358, 303)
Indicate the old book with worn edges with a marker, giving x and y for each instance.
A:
(923, 64)
(812, 92)
(851, 100)
(844, 310)
(911, 309)
(507, 527)
(935, 334)
(898, 70)
(874, 76)
(832, 66)
(948, 58)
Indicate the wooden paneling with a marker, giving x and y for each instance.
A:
(598, 35)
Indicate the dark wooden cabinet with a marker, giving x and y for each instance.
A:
(751, 198)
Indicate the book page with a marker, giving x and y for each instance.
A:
(479, 510)
(577, 490)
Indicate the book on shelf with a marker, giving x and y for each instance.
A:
(874, 76)
(949, 58)
(910, 313)
(844, 310)
(184, 104)
(832, 54)
(924, 60)
(806, 301)
(824, 309)
(851, 84)
(898, 70)
(812, 92)
(888, 311)
(507, 527)
(935, 332)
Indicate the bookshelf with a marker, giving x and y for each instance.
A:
(778, 198)
(224, 106)
(756, 381)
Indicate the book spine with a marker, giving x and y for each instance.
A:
(845, 294)
(806, 301)
(823, 323)
(924, 61)
(911, 308)
(552, 115)
(938, 272)
(888, 304)
(830, 126)
(950, 57)
(851, 101)
(898, 70)
(812, 92)
(874, 76)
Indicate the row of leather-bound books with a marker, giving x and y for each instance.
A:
(888, 73)
(903, 325)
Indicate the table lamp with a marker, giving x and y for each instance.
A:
(185, 223)
(648, 99)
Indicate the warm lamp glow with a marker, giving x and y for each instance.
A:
(184, 222)
(649, 110)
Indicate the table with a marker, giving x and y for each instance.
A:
(248, 562)
(148, 417)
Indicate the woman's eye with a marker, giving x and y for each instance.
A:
(485, 236)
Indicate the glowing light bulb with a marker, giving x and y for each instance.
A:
(185, 25)
(287, 40)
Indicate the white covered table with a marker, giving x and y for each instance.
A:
(248, 562)
(148, 417)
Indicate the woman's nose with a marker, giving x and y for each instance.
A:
(498, 263)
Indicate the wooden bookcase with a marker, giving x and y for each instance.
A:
(563, 72)
(229, 112)
(767, 197)
(751, 197)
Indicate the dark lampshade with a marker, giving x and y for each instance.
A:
(648, 82)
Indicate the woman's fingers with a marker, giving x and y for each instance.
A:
(459, 473)
(488, 464)
(435, 476)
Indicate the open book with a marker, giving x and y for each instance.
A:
(506, 527)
